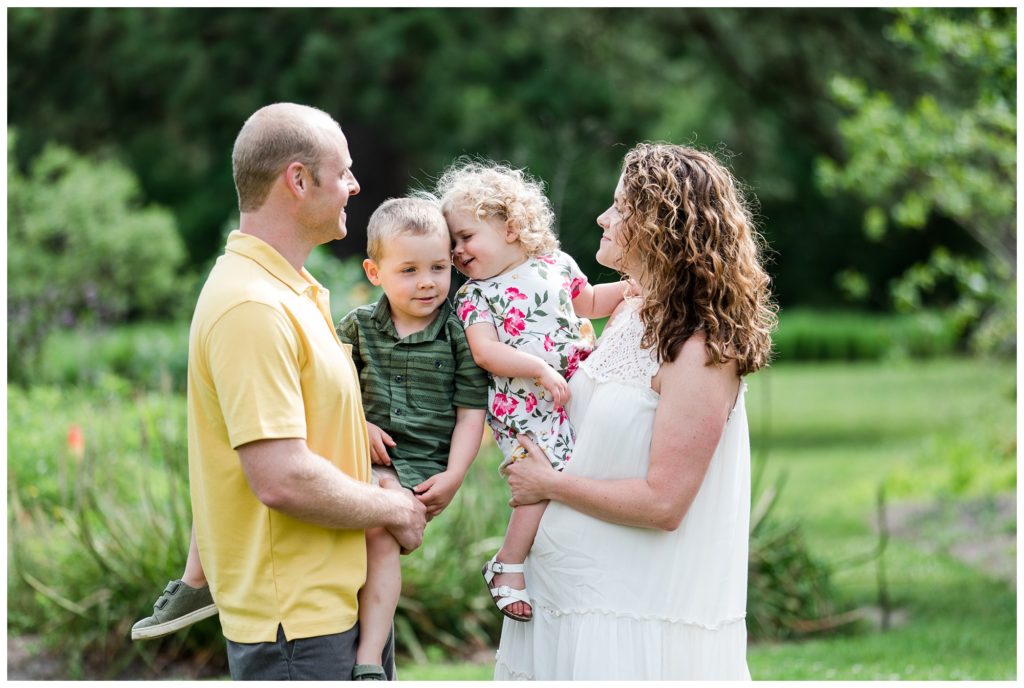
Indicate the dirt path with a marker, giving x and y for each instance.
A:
(981, 533)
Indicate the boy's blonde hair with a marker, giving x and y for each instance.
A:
(490, 189)
(410, 215)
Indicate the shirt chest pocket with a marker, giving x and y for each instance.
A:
(432, 381)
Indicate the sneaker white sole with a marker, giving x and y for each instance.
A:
(168, 627)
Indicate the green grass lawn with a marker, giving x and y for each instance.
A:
(926, 430)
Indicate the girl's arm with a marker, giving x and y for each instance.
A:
(692, 412)
(599, 300)
(498, 358)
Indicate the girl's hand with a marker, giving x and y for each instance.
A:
(530, 478)
(555, 384)
(379, 442)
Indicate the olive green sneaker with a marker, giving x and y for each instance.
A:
(180, 605)
(368, 672)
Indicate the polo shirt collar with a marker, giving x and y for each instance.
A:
(270, 260)
(382, 318)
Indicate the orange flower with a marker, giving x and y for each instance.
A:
(76, 442)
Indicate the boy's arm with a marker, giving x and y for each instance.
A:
(500, 359)
(599, 300)
(437, 492)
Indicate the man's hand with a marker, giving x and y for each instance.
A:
(410, 517)
(436, 492)
(379, 442)
(555, 384)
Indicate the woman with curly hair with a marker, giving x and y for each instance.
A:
(639, 567)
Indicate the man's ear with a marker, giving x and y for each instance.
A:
(511, 231)
(372, 272)
(296, 178)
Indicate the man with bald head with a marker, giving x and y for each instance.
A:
(278, 451)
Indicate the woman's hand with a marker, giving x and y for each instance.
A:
(530, 478)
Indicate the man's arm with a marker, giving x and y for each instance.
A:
(287, 477)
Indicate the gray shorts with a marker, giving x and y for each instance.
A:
(379, 472)
(320, 658)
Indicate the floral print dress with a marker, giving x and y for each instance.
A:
(530, 307)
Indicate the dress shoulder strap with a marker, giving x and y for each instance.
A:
(618, 355)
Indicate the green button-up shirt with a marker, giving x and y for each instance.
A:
(412, 385)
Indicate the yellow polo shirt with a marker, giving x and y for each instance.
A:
(264, 362)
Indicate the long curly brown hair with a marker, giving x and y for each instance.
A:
(687, 224)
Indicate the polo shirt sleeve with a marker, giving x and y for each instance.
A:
(471, 381)
(472, 307)
(254, 357)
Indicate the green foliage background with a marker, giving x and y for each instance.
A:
(562, 91)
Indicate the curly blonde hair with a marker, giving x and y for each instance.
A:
(687, 224)
(491, 189)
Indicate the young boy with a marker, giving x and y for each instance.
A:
(425, 402)
(424, 397)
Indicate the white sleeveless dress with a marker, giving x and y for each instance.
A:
(628, 603)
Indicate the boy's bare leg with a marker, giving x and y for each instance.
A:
(522, 528)
(194, 576)
(379, 597)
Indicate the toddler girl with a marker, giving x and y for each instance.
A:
(523, 308)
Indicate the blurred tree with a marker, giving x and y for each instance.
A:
(563, 91)
(80, 246)
(950, 152)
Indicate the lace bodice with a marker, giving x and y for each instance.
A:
(618, 355)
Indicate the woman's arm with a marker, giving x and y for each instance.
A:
(692, 412)
(599, 300)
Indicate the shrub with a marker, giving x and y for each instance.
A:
(789, 591)
(81, 247)
(806, 335)
(149, 355)
(99, 515)
(96, 532)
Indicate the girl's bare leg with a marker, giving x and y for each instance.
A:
(522, 529)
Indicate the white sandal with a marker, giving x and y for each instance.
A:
(505, 595)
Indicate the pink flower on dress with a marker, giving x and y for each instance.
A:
(513, 294)
(531, 402)
(549, 343)
(576, 286)
(547, 259)
(515, 322)
(562, 415)
(574, 359)
(465, 309)
(503, 405)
